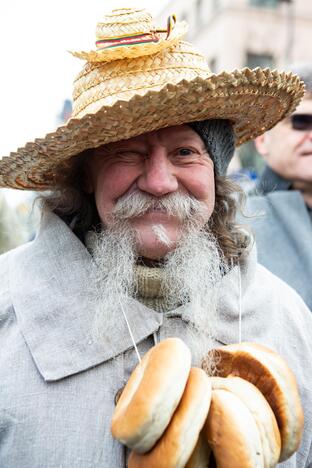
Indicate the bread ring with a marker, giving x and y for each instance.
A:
(178, 441)
(262, 413)
(201, 454)
(151, 395)
(232, 432)
(270, 374)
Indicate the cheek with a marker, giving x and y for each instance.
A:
(109, 184)
(200, 183)
(282, 147)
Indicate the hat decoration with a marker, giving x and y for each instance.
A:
(140, 79)
(133, 28)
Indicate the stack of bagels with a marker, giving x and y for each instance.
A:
(172, 415)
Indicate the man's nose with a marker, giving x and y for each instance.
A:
(158, 176)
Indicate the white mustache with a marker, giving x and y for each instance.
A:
(181, 205)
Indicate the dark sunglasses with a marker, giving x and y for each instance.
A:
(302, 122)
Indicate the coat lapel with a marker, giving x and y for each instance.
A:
(48, 279)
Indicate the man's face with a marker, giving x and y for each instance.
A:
(168, 161)
(288, 151)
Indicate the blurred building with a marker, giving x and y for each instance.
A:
(238, 33)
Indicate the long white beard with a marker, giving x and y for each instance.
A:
(112, 278)
(192, 271)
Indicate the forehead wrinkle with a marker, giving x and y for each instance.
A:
(182, 134)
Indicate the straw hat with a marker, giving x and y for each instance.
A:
(141, 79)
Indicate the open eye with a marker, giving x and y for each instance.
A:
(185, 151)
(186, 154)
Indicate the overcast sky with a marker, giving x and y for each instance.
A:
(36, 70)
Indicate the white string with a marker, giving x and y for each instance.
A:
(239, 304)
(130, 332)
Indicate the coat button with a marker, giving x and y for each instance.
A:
(118, 395)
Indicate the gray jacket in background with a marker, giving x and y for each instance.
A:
(58, 385)
(282, 225)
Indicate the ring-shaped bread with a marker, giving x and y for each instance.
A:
(271, 375)
(201, 454)
(151, 395)
(176, 445)
(262, 413)
(232, 432)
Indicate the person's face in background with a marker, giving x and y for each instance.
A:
(287, 150)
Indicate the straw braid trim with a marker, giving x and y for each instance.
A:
(138, 72)
(117, 28)
(144, 81)
(135, 83)
(89, 91)
(96, 79)
(218, 94)
(183, 49)
(251, 113)
(126, 15)
(246, 125)
(225, 114)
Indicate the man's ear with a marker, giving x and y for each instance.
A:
(261, 145)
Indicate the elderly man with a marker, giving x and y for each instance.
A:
(283, 197)
(137, 243)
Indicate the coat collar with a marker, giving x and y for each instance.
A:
(270, 181)
(47, 282)
(48, 279)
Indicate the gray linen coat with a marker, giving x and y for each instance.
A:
(57, 386)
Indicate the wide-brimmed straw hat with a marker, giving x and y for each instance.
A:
(141, 79)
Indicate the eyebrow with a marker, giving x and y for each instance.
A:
(187, 140)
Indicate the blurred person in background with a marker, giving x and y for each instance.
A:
(282, 200)
(12, 230)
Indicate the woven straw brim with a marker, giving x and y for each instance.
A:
(254, 100)
(131, 51)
